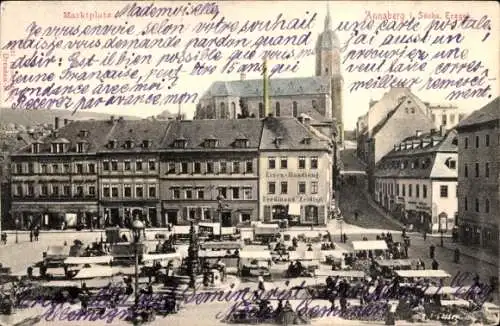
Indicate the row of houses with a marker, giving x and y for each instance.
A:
(432, 166)
(170, 172)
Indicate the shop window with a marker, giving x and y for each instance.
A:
(311, 212)
(279, 212)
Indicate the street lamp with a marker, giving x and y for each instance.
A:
(137, 229)
(17, 227)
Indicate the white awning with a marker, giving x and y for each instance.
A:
(369, 245)
(100, 271)
(88, 260)
(458, 302)
(258, 254)
(423, 273)
(294, 209)
(357, 274)
(153, 257)
(304, 255)
(454, 290)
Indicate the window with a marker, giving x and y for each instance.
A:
(247, 193)
(176, 193)
(466, 205)
(114, 191)
(105, 165)
(295, 109)
(271, 188)
(236, 193)
(443, 191)
(314, 104)
(424, 191)
(91, 168)
(184, 168)
(139, 191)
(189, 194)
(404, 190)
(31, 190)
(79, 147)
(487, 170)
(79, 191)
(314, 187)
(236, 167)
(302, 188)
(55, 168)
(245, 217)
(44, 168)
(278, 109)
(201, 194)
(66, 168)
(79, 168)
(302, 162)
(210, 167)
(171, 167)
(127, 191)
(138, 165)
(283, 163)
(114, 165)
(105, 191)
(127, 166)
(466, 142)
(31, 168)
(486, 205)
(223, 167)
(19, 190)
(410, 190)
(477, 205)
(466, 171)
(271, 163)
(314, 162)
(443, 120)
(284, 187)
(487, 140)
(397, 189)
(223, 192)
(261, 110)
(477, 141)
(152, 165)
(249, 167)
(197, 167)
(311, 212)
(45, 190)
(55, 191)
(91, 191)
(476, 169)
(417, 191)
(152, 191)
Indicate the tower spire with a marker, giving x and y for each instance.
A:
(328, 18)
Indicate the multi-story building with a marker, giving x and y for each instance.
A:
(209, 171)
(55, 178)
(295, 172)
(417, 180)
(129, 171)
(479, 177)
(319, 96)
(447, 116)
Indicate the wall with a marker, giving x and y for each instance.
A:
(446, 205)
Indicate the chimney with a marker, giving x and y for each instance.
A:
(66, 121)
(442, 130)
(419, 133)
(243, 76)
(56, 122)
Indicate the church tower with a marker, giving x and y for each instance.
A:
(328, 65)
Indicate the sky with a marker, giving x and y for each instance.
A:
(17, 16)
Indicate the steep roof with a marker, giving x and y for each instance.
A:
(137, 131)
(98, 131)
(291, 135)
(489, 112)
(277, 87)
(195, 132)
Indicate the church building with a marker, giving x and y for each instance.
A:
(318, 97)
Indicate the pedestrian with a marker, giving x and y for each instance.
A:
(422, 264)
(435, 265)
(31, 235)
(356, 216)
(457, 256)
(4, 238)
(406, 251)
(425, 235)
(36, 233)
(432, 250)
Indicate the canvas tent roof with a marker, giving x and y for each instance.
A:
(88, 260)
(369, 245)
(258, 254)
(423, 273)
(93, 272)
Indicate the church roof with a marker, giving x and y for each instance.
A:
(277, 87)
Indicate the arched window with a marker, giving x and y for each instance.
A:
(222, 111)
(314, 104)
(233, 108)
(295, 109)
(261, 110)
(278, 109)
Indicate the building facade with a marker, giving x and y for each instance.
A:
(447, 116)
(320, 96)
(479, 177)
(295, 173)
(209, 171)
(417, 181)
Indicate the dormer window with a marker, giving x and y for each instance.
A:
(84, 133)
(180, 142)
(59, 146)
(35, 148)
(307, 140)
(211, 142)
(241, 142)
(146, 143)
(451, 163)
(112, 144)
(129, 144)
(80, 147)
(278, 140)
